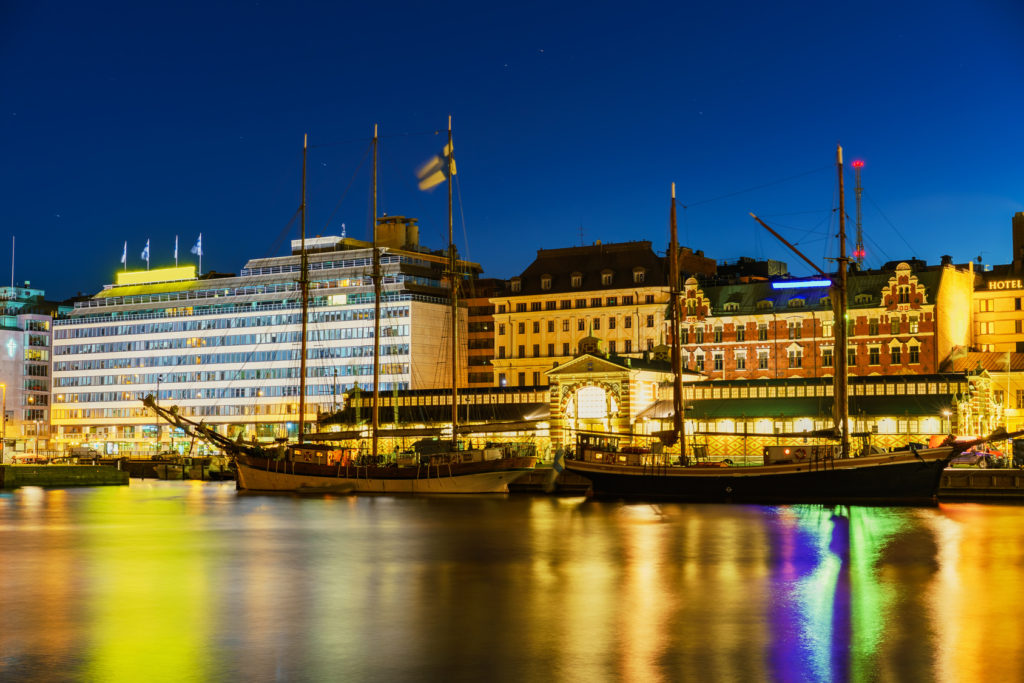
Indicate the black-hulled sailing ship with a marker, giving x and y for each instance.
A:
(826, 474)
(310, 467)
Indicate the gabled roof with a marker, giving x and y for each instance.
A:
(590, 261)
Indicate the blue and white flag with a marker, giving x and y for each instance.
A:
(175, 249)
(124, 254)
(198, 248)
(145, 253)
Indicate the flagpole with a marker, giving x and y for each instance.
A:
(175, 251)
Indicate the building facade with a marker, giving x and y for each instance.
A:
(617, 292)
(25, 347)
(225, 349)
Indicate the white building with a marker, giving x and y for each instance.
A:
(225, 349)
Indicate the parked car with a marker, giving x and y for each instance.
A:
(980, 458)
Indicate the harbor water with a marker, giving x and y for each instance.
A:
(192, 581)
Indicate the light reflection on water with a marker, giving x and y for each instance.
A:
(191, 581)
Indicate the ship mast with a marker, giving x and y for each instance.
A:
(304, 286)
(453, 284)
(677, 370)
(842, 405)
(377, 291)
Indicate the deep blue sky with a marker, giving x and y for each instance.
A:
(135, 120)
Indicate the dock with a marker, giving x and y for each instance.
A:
(963, 483)
(59, 476)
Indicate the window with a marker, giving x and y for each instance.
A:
(596, 301)
(501, 352)
(502, 380)
(627, 300)
(998, 396)
(536, 350)
(551, 349)
(650, 344)
(536, 326)
(627, 346)
(826, 329)
(581, 325)
(550, 305)
(718, 362)
(985, 306)
(1017, 326)
(517, 284)
(611, 323)
(522, 351)
(611, 346)
(501, 329)
(649, 299)
(698, 335)
(762, 331)
(596, 324)
(545, 282)
(825, 302)
(873, 326)
(894, 326)
(741, 333)
(606, 277)
(700, 363)
(520, 308)
(795, 303)
(581, 303)
(851, 356)
(741, 361)
(501, 308)
(903, 295)
(826, 358)
(551, 326)
(565, 348)
(795, 328)
(650, 321)
(1020, 399)
(874, 354)
(536, 379)
(576, 279)
(638, 275)
(522, 379)
(612, 301)
(762, 360)
(684, 335)
(522, 328)
(1016, 304)
(565, 303)
(535, 305)
(764, 305)
(796, 358)
(731, 307)
(914, 352)
(895, 355)
(986, 328)
(718, 335)
(627, 322)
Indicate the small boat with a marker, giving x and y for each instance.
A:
(824, 474)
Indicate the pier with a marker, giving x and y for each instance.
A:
(13, 476)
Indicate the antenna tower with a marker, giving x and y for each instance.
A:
(858, 252)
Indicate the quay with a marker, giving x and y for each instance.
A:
(13, 476)
(971, 483)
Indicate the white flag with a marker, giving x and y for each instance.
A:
(124, 254)
(175, 248)
(197, 249)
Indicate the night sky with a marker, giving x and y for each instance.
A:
(139, 120)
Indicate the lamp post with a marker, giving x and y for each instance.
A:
(3, 427)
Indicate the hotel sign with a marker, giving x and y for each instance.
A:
(1006, 284)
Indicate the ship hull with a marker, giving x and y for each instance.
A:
(895, 478)
(268, 475)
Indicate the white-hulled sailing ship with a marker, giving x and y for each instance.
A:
(309, 467)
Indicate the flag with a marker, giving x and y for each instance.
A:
(124, 254)
(175, 248)
(145, 252)
(197, 249)
(435, 171)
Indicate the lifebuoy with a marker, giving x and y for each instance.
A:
(799, 454)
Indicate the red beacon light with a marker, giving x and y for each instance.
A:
(858, 164)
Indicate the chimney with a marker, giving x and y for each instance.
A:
(1018, 241)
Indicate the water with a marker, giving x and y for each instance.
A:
(184, 581)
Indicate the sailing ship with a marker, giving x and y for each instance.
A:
(800, 473)
(435, 467)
